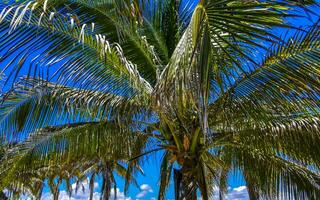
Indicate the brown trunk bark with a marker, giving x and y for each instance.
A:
(107, 182)
(3, 196)
(184, 186)
(251, 187)
(56, 196)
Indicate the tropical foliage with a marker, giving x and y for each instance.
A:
(93, 88)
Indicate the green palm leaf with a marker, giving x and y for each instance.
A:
(73, 149)
(36, 103)
(110, 82)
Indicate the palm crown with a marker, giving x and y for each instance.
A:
(108, 83)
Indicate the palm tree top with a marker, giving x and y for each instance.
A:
(94, 87)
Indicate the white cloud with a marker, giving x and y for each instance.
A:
(141, 194)
(145, 189)
(239, 193)
(85, 184)
(120, 195)
(84, 195)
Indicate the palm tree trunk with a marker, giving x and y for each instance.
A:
(3, 196)
(253, 194)
(106, 185)
(56, 196)
(184, 186)
(223, 184)
(252, 189)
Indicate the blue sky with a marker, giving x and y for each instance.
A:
(148, 183)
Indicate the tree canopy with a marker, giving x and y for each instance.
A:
(95, 87)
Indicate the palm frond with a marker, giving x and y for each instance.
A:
(275, 177)
(286, 84)
(165, 175)
(111, 81)
(74, 149)
(205, 52)
(37, 103)
(211, 15)
(60, 41)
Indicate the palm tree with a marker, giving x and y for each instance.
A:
(2, 152)
(181, 77)
(35, 159)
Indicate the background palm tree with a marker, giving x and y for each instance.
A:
(2, 152)
(130, 78)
